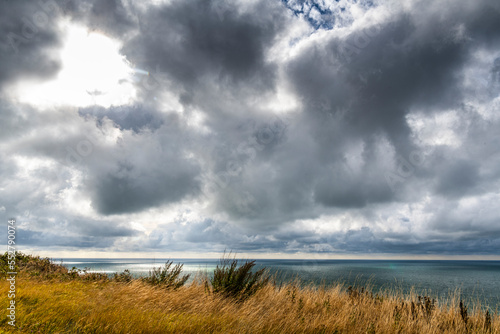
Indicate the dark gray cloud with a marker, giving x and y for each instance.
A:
(201, 40)
(379, 74)
(57, 232)
(56, 241)
(29, 37)
(129, 188)
(135, 117)
(114, 17)
(458, 179)
(143, 171)
(286, 126)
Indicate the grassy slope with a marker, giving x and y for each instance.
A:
(62, 305)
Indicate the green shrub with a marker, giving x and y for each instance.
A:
(87, 275)
(237, 282)
(166, 276)
(123, 277)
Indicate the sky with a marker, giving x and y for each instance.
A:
(272, 128)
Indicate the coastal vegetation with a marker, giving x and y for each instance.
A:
(236, 299)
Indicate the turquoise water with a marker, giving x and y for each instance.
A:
(475, 280)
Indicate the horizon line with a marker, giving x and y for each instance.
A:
(257, 256)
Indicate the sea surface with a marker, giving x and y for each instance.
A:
(472, 280)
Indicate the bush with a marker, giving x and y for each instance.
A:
(167, 277)
(87, 275)
(237, 282)
(123, 277)
(33, 265)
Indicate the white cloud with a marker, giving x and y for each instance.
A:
(93, 72)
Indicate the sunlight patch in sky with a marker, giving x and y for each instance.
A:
(93, 73)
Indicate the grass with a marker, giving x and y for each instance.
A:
(65, 303)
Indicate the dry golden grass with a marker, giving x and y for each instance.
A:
(78, 306)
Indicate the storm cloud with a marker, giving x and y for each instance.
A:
(332, 127)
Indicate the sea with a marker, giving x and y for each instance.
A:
(472, 281)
